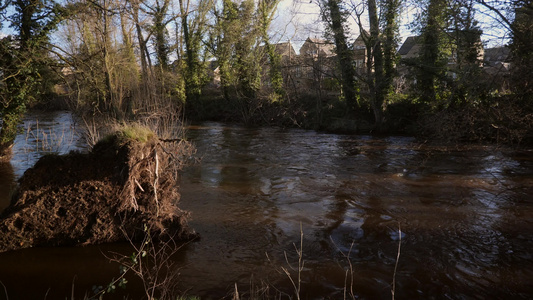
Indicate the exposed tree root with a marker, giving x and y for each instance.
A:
(79, 199)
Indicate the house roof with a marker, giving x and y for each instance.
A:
(497, 54)
(318, 41)
(281, 48)
(326, 48)
(362, 35)
(285, 49)
(359, 40)
(408, 45)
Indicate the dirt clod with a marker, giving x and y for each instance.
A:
(115, 191)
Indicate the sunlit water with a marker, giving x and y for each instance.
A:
(463, 220)
(40, 133)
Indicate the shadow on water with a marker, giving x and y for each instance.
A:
(460, 230)
(7, 183)
(465, 215)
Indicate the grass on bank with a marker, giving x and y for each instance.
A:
(136, 132)
(132, 131)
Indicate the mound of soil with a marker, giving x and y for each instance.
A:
(112, 193)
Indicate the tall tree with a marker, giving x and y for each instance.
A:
(391, 33)
(193, 32)
(222, 42)
(159, 14)
(142, 41)
(105, 14)
(381, 44)
(234, 42)
(522, 49)
(376, 80)
(434, 52)
(22, 60)
(335, 19)
(266, 11)
(466, 49)
(516, 18)
(247, 60)
(96, 53)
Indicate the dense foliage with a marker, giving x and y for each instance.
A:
(25, 66)
(218, 59)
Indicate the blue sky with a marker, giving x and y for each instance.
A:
(298, 19)
(307, 23)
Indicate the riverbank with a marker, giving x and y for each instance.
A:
(502, 119)
(124, 184)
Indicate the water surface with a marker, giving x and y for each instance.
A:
(42, 132)
(463, 218)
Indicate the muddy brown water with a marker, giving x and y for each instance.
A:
(463, 219)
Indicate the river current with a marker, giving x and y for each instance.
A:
(366, 214)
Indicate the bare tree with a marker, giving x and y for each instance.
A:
(381, 43)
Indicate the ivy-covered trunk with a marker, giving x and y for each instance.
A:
(10, 120)
(192, 35)
(20, 59)
(266, 11)
(377, 79)
(336, 23)
(433, 57)
(522, 53)
(16, 90)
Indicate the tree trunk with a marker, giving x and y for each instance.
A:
(140, 38)
(349, 84)
(20, 84)
(377, 80)
(390, 33)
(105, 51)
(189, 55)
(432, 64)
(159, 27)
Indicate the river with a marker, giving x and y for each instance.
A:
(365, 211)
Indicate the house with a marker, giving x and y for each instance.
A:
(213, 71)
(496, 67)
(496, 56)
(467, 49)
(410, 47)
(408, 53)
(290, 63)
(461, 56)
(360, 54)
(286, 52)
(317, 59)
(317, 48)
(288, 59)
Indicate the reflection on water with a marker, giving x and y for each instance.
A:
(465, 216)
(43, 133)
(40, 133)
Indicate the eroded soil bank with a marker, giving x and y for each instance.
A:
(113, 193)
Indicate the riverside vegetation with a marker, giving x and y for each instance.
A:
(115, 58)
(110, 60)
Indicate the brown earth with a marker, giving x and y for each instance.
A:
(112, 193)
